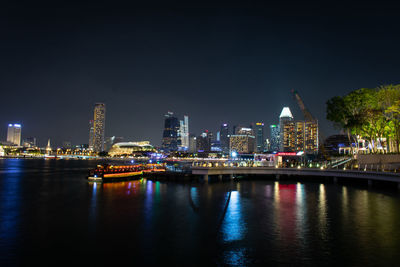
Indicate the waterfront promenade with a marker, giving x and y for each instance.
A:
(335, 174)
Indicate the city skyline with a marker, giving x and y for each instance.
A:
(215, 63)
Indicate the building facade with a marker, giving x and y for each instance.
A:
(311, 137)
(171, 141)
(259, 134)
(192, 143)
(224, 138)
(91, 134)
(184, 133)
(275, 139)
(99, 124)
(203, 142)
(14, 133)
(300, 136)
(285, 116)
(242, 143)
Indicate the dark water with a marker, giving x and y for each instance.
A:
(51, 215)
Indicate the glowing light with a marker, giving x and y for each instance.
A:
(17, 125)
(234, 154)
(286, 113)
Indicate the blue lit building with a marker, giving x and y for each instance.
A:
(171, 140)
(275, 140)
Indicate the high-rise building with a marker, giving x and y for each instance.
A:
(244, 130)
(241, 143)
(275, 139)
(288, 136)
(224, 137)
(259, 133)
(192, 143)
(203, 142)
(286, 115)
(91, 134)
(311, 137)
(184, 133)
(300, 136)
(267, 145)
(99, 123)
(14, 133)
(171, 140)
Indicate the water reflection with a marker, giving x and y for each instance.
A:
(10, 202)
(285, 212)
(322, 212)
(233, 226)
(301, 212)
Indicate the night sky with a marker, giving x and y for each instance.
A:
(216, 63)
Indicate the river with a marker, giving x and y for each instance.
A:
(51, 215)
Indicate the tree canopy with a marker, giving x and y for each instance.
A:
(370, 114)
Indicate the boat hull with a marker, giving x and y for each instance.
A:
(116, 176)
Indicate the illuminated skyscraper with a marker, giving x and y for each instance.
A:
(192, 144)
(311, 137)
(91, 134)
(286, 115)
(241, 143)
(171, 140)
(184, 133)
(203, 142)
(99, 123)
(14, 133)
(300, 136)
(259, 132)
(224, 137)
(288, 136)
(275, 139)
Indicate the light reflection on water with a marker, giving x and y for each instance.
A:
(265, 222)
(322, 212)
(233, 226)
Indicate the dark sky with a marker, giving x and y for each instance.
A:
(216, 63)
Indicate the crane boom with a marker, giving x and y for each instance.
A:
(306, 113)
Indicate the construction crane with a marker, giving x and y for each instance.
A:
(309, 117)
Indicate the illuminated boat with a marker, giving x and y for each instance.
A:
(111, 173)
(108, 172)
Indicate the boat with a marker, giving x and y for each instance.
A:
(107, 172)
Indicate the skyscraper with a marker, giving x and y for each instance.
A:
(203, 142)
(91, 134)
(241, 143)
(99, 123)
(286, 115)
(14, 133)
(224, 137)
(275, 139)
(288, 136)
(170, 140)
(259, 132)
(184, 133)
(300, 136)
(192, 144)
(311, 137)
